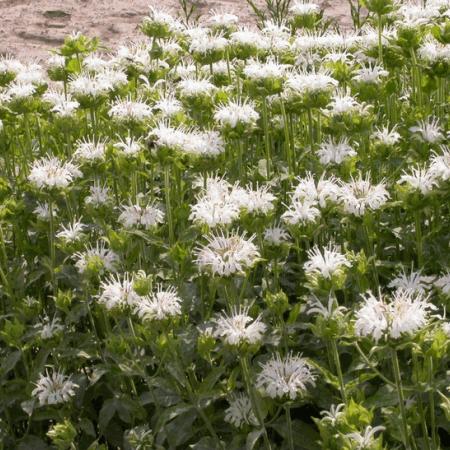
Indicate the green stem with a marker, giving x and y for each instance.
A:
(420, 403)
(380, 40)
(253, 398)
(289, 427)
(168, 207)
(52, 247)
(401, 399)
(337, 363)
(434, 438)
(419, 240)
(266, 137)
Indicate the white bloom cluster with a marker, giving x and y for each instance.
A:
(52, 173)
(405, 313)
(326, 263)
(160, 305)
(239, 328)
(117, 292)
(240, 411)
(54, 388)
(227, 254)
(135, 216)
(98, 255)
(285, 378)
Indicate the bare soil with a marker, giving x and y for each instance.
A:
(30, 28)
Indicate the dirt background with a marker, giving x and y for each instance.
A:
(30, 28)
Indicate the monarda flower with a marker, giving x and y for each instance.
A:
(405, 313)
(52, 173)
(326, 263)
(227, 254)
(117, 292)
(161, 305)
(137, 216)
(240, 411)
(285, 378)
(360, 195)
(335, 152)
(239, 328)
(54, 388)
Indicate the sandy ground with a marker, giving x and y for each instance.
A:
(30, 28)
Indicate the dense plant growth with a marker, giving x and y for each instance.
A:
(227, 238)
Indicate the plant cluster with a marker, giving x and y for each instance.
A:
(220, 237)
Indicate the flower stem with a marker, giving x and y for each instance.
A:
(266, 137)
(289, 427)
(401, 399)
(419, 240)
(337, 363)
(434, 439)
(168, 207)
(253, 399)
(52, 246)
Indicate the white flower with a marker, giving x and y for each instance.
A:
(240, 411)
(90, 151)
(301, 212)
(255, 201)
(85, 84)
(371, 74)
(420, 178)
(50, 172)
(386, 136)
(42, 211)
(276, 235)
(246, 38)
(360, 194)
(405, 313)
(72, 232)
(443, 283)
(31, 73)
(414, 282)
(432, 51)
(215, 206)
(207, 44)
(270, 69)
(227, 254)
(207, 143)
(344, 103)
(129, 146)
(117, 292)
(191, 87)
(94, 63)
(301, 83)
(236, 112)
(429, 131)
(98, 255)
(303, 8)
(440, 164)
(332, 310)
(239, 328)
(134, 216)
(53, 389)
(111, 79)
(286, 377)
(223, 19)
(65, 108)
(162, 18)
(332, 152)
(326, 263)
(98, 196)
(128, 109)
(168, 106)
(333, 414)
(18, 91)
(160, 305)
(366, 439)
(322, 192)
(49, 328)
